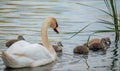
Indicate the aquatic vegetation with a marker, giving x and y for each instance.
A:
(112, 14)
(80, 30)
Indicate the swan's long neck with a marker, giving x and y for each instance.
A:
(44, 35)
(45, 40)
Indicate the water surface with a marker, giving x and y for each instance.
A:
(25, 18)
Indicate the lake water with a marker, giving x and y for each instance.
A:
(20, 17)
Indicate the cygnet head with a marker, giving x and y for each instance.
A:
(106, 42)
(20, 37)
(59, 44)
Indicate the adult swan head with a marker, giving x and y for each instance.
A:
(24, 54)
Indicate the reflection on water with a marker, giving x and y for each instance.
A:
(116, 61)
(42, 68)
(20, 17)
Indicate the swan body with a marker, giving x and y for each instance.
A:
(24, 54)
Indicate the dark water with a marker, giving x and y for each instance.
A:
(25, 18)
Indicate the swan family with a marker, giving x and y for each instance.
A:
(24, 54)
(21, 53)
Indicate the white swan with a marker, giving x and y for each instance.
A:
(24, 54)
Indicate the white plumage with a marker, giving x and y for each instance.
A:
(24, 54)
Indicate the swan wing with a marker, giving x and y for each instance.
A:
(24, 54)
(33, 51)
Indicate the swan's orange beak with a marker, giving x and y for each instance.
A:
(56, 30)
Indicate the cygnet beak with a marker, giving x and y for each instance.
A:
(108, 42)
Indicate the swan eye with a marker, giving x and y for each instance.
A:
(54, 25)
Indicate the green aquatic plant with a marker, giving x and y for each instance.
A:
(112, 7)
(113, 14)
(80, 30)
